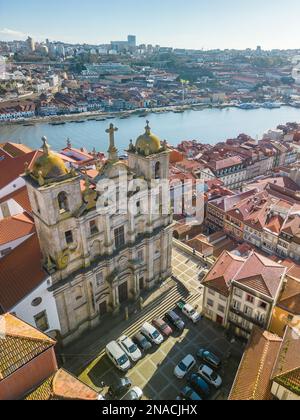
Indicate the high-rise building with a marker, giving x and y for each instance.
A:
(31, 44)
(131, 39)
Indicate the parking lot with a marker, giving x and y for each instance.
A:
(154, 374)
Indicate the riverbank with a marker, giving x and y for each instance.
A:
(92, 115)
(211, 126)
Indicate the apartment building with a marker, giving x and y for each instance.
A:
(241, 292)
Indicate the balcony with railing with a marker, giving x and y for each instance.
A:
(248, 318)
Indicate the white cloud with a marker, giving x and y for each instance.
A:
(11, 35)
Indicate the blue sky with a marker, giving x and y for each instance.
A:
(180, 23)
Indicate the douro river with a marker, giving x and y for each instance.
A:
(207, 126)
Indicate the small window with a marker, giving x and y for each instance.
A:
(69, 237)
(238, 293)
(5, 210)
(119, 237)
(99, 279)
(210, 303)
(141, 255)
(221, 309)
(41, 321)
(36, 302)
(250, 299)
(63, 202)
(263, 305)
(157, 171)
(93, 227)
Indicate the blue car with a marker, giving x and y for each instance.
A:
(210, 358)
(188, 394)
(200, 386)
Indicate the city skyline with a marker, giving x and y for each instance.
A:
(98, 23)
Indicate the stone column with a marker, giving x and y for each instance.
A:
(108, 243)
(116, 302)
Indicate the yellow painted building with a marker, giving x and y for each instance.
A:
(287, 310)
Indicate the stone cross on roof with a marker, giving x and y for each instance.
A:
(112, 151)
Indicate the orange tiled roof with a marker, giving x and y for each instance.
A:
(21, 197)
(15, 149)
(20, 273)
(15, 227)
(287, 368)
(254, 271)
(11, 168)
(290, 297)
(221, 274)
(21, 344)
(63, 386)
(253, 380)
(261, 274)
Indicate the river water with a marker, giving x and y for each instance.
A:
(208, 126)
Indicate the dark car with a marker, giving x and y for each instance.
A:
(175, 320)
(163, 327)
(119, 387)
(200, 386)
(188, 394)
(210, 358)
(142, 342)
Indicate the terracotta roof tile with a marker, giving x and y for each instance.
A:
(11, 168)
(221, 274)
(21, 344)
(253, 380)
(254, 271)
(63, 386)
(15, 149)
(15, 227)
(21, 197)
(287, 368)
(20, 273)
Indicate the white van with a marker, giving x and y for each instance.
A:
(118, 356)
(152, 334)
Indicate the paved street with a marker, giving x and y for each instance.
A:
(187, 269)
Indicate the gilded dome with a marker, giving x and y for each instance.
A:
(49, 165)
(148, 143)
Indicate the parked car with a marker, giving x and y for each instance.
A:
(163, 327)
(189, 311)
(210, 358)
(140, 340)
(119, 387)
(131, 349)
(199, 385)
(175, 320)
(188, 394)
(135, 394)
(118, 356)
(210, 376)
(184, 367)
(152, 334)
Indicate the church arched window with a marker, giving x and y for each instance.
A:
(157, 170)
(63, 202)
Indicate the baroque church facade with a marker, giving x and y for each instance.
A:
(100, 261)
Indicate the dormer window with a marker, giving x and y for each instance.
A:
(63, 202)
